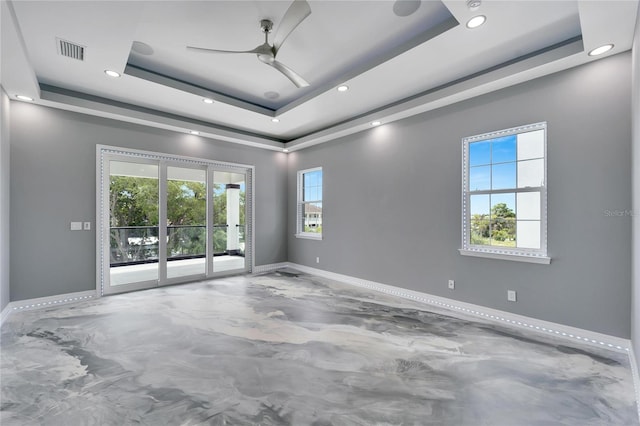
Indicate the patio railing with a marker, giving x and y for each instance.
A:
(131, 245)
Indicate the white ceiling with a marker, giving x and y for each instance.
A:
(395, 66)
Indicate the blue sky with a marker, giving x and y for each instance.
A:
(481, 204)
(313, 186)
(492, 165)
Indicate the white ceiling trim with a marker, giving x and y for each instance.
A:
(55, 99)
(547, 62)
(195, 90)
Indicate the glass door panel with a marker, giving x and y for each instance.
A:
(229, 229)
(133, 222)
(186, 222)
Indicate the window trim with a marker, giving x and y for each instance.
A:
(300, 205)
(504, 253)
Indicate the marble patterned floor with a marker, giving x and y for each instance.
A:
(283, 349)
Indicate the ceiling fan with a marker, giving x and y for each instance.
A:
(266, 53)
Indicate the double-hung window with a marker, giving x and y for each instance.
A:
(505, 194)
(309, 214)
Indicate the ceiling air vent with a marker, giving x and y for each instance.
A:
(70, 50)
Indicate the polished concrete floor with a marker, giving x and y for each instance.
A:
(281, 349)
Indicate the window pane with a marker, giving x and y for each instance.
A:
(503, 231)
(479, 205)
(479, 230)
(479, 153)
(531, 145)
(503, 149)
(313, 178)
(503, 225)
(134, 218)
(503, 205)
(530, 173)
(528, 206)
(479, 178)
(186, 221)
(310, 193)
(312, 217)
(529, 234)
(503, 176)
(312, 186)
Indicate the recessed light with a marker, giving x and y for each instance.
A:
(376, 123)
(600, 50)
(285, 150)
(111, 73)
(476, 21)
(194, 132)
(343, 88)
(275, 120)
(207, 100)
(24, 98)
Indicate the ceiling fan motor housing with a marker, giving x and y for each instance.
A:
(266, 25)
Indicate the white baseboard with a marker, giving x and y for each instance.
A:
(261, 269)
(493, 315)
(5, 314)
(636, 377)
(45, 302)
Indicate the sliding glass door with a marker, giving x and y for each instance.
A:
(186, 222)
(164, 220)
(133, 223)
(229, 192)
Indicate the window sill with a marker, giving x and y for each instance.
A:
(309, 236)
(513, 257)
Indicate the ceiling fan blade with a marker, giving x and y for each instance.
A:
(204, 49)
(289, 73)
(297, 12)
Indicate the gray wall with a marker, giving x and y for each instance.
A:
(392, 201)
(635, 108)
(4, 199)
(53, 156)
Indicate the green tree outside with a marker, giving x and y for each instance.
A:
(133, 202)
(497, 229)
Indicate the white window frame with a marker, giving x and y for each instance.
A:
(300, 206)
(497, 252)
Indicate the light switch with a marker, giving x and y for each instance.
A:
(76, 226)
(86, 226)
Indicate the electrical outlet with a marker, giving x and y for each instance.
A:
(452, 284)
(511, 295)
(76, 226)
(317, 260)
(86, 226)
